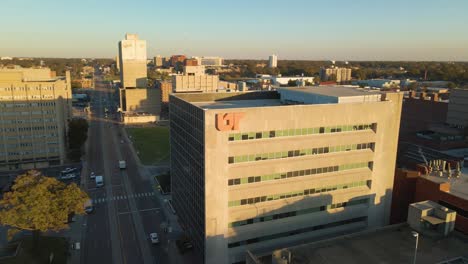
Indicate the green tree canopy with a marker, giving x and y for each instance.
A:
(38, 203)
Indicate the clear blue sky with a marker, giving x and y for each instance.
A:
(293, 29)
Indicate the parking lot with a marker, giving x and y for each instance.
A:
(7, 178)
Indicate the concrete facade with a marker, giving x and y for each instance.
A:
(147, 100)
(140, 105)
(273, 61)
(166, 89)
(210, 61)
(195, 83)
(35, 109)
(158, 61)
(380, 83)
(341, 74)
(132, 56)
(257, 170)
(458, 108)
(194, 70)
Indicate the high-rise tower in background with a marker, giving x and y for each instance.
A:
(273, 61)
(132, 57)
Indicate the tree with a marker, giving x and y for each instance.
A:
(77, 135)
(412, 86)
(39, 204)
(451, 85)
(317, 79)
(292, 83)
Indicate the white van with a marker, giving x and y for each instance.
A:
(99, 181)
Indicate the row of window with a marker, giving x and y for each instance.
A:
(26, 113)
(261, 199)
(25, 153)
(299, 132)
(27, 88)
(24, 97)
(301, 152)
(24, 121)
(22, 129)
(9, 105)
(298, 212)
(299, 173)
(297, 231)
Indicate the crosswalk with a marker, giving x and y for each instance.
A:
(122, 197)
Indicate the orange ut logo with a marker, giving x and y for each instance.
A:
(228, 121)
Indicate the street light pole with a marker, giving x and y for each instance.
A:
(416, 235)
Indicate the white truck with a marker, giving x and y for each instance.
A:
(99, 181)
(122, 164)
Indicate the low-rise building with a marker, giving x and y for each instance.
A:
(436, 181)
(210, 61)
(458, 108)
(195, 83)
(140, 105)
(392, 244)
(83, 83)
(379, 83)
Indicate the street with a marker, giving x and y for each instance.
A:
(126, 207)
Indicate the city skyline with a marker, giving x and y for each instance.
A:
(308, 30)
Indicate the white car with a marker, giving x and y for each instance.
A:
(68, 176)
(92, 175)
(154, 238)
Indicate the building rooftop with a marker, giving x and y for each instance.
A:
(394, 244)
(283, 96)
(335, 91)
(458, 186)
(238, 103)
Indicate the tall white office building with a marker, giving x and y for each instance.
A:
(273, 61)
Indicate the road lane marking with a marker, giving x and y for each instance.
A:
(123, 197)
(142, 210)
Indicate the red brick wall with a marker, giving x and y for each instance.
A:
(417, 115)
(403, 194)
(429, 190)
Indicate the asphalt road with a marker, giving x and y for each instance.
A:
(126, 209)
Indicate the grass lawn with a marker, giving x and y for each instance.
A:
(152, 143)
(47, 245)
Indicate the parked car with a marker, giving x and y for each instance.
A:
(154, 238)
(68, 176)
(68, 170)
(92, 175)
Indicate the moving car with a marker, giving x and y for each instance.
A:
(154, 238)
(89, 208)
(92, 175)
(99, 181)
(122, 164)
